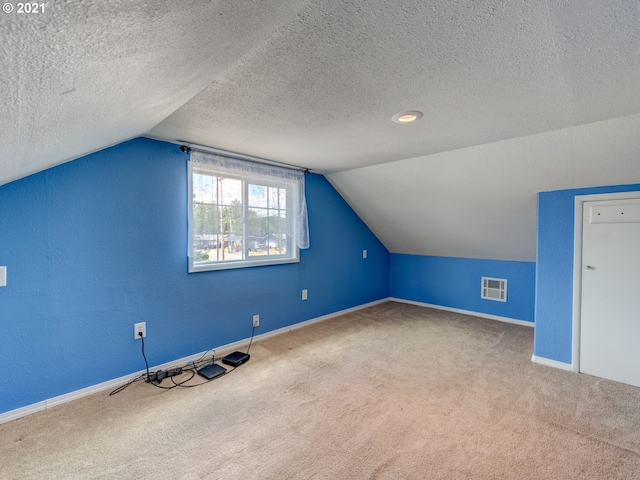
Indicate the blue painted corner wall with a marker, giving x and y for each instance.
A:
(554, 270)
(98, 244)
(455, 283)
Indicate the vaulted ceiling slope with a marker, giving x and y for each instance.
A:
(87, 74)
(315, 83)
(480, 202)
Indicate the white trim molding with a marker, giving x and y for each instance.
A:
(552, 363)
(306, 323)
(221, 351)
(524, 323)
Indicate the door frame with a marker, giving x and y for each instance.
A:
(577, 263)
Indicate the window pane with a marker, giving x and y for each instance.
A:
(257, 232)
(204, 188)
(277, 197)
(278, 235)
(257, 195)
(205, 219)
(230, 189)
(267, 221)
(231, 215)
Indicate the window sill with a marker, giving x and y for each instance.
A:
(207, 267)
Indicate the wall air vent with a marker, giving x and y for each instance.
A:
(494, 289)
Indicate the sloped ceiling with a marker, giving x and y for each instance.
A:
(480, 202)
(84, 75)
(315, 83)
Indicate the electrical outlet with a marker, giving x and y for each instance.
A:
(364, 254)
(304, 294)
(3, 276)
(139, 327)
(256, 320)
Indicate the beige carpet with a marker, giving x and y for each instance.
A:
(393, 391)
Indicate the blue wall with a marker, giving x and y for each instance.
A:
(98, 244)
(554, 270)
(455, 283)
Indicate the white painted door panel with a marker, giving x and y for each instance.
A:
(610, 310)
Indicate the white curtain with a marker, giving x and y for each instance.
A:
(297, 222)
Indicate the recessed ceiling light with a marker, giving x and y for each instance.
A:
(407, 117)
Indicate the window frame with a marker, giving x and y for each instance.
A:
(253, 261)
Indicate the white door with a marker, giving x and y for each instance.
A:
(610, 309)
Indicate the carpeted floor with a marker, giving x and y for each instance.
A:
(393, 391)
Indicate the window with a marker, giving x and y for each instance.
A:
(243, 214)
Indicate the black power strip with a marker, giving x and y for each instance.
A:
(160, 374)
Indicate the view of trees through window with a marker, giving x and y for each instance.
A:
(234, 219)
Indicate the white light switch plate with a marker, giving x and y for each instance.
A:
(3, 276)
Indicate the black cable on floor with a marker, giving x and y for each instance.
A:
(193, 369)
(149, 381)
(146, 364)
(251, 341)
(122, 387)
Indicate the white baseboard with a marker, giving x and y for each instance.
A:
(552, 363)
(83, 392)
(306, 323)
(221, 351)
(465, 312)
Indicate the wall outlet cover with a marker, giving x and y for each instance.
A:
(139, 327)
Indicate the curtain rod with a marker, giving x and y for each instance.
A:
(187, 147)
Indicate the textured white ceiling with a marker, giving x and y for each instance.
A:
(315, 83)
(321, 92)
(84, 75)
(480, 202)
